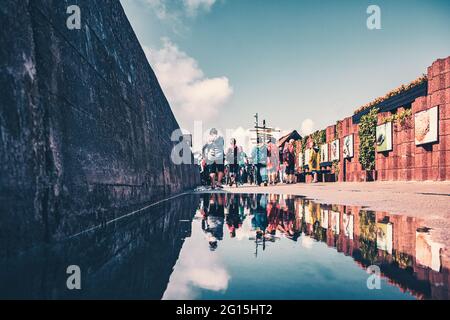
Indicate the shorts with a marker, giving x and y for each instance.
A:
(272, 170)
(234, 168)
(290, 169)
(215, 167)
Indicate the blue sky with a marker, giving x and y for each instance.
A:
(221, 61)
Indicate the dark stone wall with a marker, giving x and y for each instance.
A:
(84, 125)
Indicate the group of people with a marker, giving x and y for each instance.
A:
(268, 164)
(218, 164)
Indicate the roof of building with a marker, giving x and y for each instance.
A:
(291, 135)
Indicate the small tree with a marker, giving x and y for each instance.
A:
(367, 137)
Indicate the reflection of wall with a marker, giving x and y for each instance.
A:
(84, 123)
(130, 259)
(400, 267)
(424, 282)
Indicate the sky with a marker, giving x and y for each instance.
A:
(300, 64)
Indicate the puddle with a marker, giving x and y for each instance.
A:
(237, 246)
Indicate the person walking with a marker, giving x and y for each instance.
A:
(273, 158)
(259, 156)
(314, 163)
(214, 154)
(282, 167)
(289, 161)
(232, 156)
(243, 165)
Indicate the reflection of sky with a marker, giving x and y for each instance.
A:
(286, 269)
(197, 269)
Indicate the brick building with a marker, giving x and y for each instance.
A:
(406, 159)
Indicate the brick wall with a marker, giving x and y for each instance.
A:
(428, 162)
(406, 161)
(397, 164)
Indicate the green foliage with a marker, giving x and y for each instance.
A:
(368, 235)
(319, 137)
(338, 129)
(336, 168)
(304, 141)
(402, 118)
(403, 260)
(367, 137)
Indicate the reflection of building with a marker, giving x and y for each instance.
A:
(428, 253)
(411, 262)
(399, 245)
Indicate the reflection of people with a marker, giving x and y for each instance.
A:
(213, 220)
(273, 212)
(233, 218)
(289, 219)
(213, 152)
(259, 221)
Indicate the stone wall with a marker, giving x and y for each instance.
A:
(84, 125)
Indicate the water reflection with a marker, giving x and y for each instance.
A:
(237, 246)
(410, 262)
(131, 258)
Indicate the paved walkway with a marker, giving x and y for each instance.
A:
(428, 200)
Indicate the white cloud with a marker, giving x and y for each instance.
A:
(169, 10)
(191, 94)
(193, 6)
(307, 127)
(161, 10)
